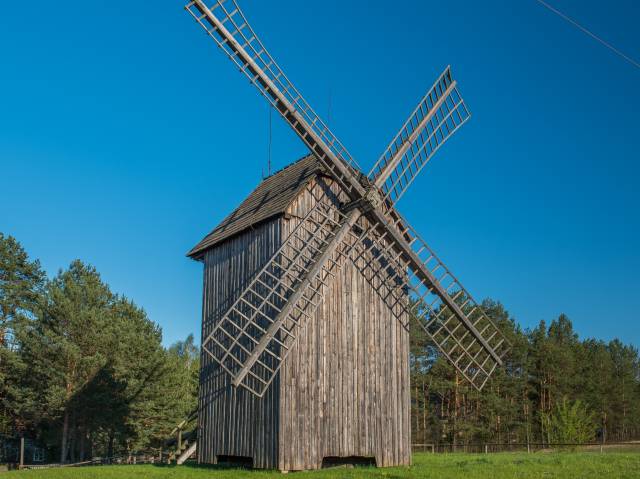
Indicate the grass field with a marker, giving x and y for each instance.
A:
(438, 466)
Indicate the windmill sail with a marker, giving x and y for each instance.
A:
(452, 319)
(438, 115)
(226, 24)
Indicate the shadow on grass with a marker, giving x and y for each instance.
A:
(213, 467)
(229, 466)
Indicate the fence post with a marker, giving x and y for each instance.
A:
(486, 449)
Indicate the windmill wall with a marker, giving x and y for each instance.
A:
(344, 388)
(342, 392)
(234, 422)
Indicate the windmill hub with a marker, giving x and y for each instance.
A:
(373, 197)
(370, 201)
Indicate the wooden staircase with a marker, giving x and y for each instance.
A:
(183, 442)
(188, 452)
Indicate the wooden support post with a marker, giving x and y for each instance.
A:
(601, 444)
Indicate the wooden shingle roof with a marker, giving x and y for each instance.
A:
(270, 199)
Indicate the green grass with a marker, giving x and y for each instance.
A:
(439, 466)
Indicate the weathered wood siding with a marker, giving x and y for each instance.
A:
(344, 388)
(233, 422)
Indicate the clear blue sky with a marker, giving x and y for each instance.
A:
(125, 136)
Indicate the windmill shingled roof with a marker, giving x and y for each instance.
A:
(270, 198)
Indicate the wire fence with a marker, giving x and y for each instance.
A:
(442, 448)
(487, 448)
(146, 458)
(162, 457)
(27, 453)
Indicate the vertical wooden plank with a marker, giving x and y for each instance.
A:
(234, 422)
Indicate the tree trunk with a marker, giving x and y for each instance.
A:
(624, 412)
(525, 407)
(417, 414)
(542, 411)
(73, 437)
(65, 436)
(455, 412)
(82, 444)
(110, 447)
(424, 413)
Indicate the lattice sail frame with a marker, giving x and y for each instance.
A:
(402, 287)
(438, 115)
(244, 342)
(244, 330)
(272, 83)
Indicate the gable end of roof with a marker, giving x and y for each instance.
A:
(267, 201)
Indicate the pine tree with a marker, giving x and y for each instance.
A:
(596, 378)
(21, 283)
(69, 347)
(625, 392)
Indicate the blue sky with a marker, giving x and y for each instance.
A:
(125, 136)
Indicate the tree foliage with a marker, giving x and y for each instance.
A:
(85, 371)
(21, 283)
(520, 403)
(571, 423)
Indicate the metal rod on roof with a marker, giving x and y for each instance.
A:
(270, 131)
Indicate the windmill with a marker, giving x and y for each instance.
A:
(311, 283)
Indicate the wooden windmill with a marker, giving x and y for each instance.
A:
(310, 285)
